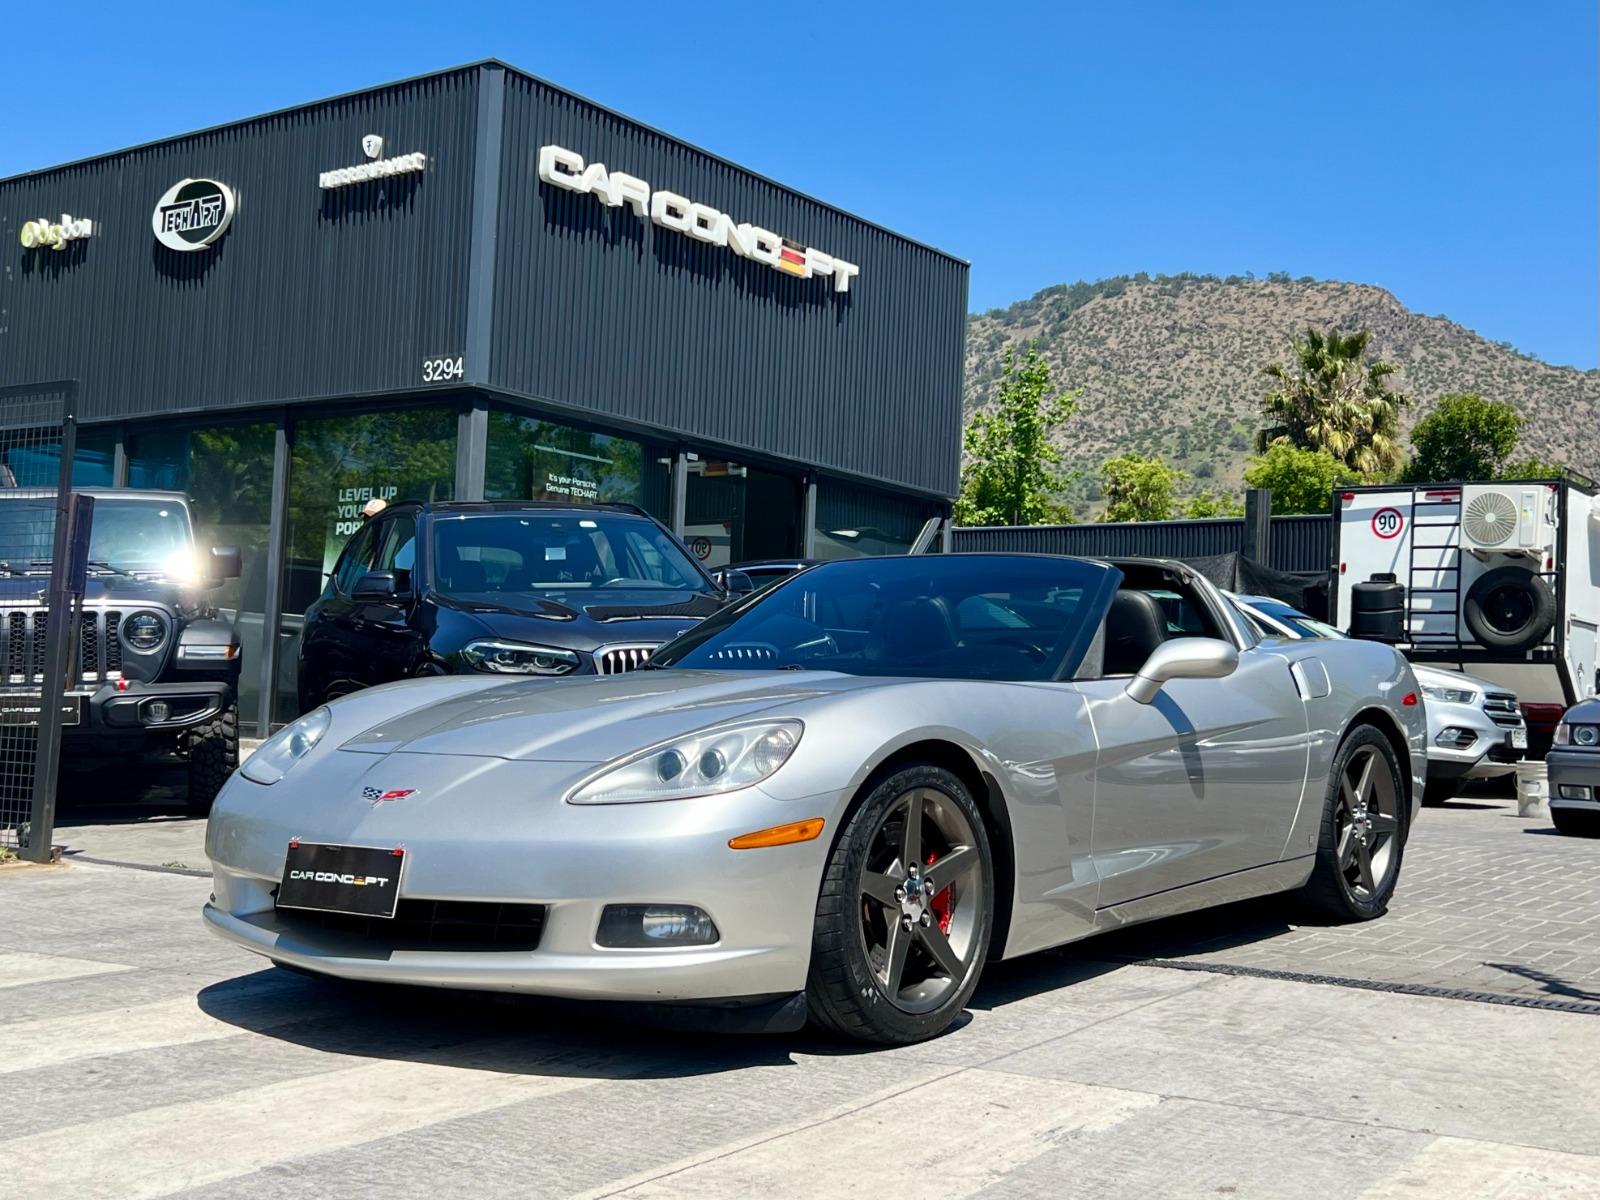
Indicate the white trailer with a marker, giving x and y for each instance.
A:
(1501, 580)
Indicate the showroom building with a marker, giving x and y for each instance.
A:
(476, 285)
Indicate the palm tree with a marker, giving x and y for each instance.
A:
(1331, 398)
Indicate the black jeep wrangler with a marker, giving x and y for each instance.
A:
(155, 671)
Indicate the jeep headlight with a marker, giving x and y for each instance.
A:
(1587, 736)
(145, 631)
(1449, 695)
(702, 764)
(518, 658)
(286, 747)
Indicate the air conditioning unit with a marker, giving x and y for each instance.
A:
(1508, 520)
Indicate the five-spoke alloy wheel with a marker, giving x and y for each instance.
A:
(1363, 830)
(904, 915)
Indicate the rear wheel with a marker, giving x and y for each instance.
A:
(903, 918)
(1363, 830)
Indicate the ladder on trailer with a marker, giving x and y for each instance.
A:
(1435, 529)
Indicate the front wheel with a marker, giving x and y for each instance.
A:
(213, 748)
(903, 918)
(1575, 822)
(1363, 830)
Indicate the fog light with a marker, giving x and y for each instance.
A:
(630, 926)
(1574, 791)
(158, 711)
(1451, 735)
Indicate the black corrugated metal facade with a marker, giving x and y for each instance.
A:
(1299, 543)
(549, 297)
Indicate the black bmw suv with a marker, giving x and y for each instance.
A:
(508, 587)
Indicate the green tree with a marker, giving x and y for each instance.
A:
(1139, 488)
(1330, 397)
(1013, 471)
(1464, 437)
(1532, 468)
(1212, 504)
(1301, 481)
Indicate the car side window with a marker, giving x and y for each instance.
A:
(397, 551)
(355, 562)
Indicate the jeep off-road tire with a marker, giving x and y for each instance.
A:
(1365, 820)
(904, 913)
(213, 752)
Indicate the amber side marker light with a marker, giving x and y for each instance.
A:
(778, 835)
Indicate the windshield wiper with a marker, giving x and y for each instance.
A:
(93, 562)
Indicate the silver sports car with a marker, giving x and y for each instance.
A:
(839, 797)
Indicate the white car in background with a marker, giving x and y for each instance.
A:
(1475, 727)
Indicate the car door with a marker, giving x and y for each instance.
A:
(383, 645)
(327, 657)
(1201, 783)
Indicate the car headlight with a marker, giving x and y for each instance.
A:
(702, 764)
(286, 747)
(1450, 695)
(1586, 736)
(518, 658)
(145, 631)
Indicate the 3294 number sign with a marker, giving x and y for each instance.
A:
(443, 370)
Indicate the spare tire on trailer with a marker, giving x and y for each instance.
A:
(1509, 608)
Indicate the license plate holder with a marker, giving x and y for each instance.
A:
(1517, 739)
(361, 881)
(20, 708)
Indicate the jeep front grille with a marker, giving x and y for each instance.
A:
(27, 631)
(614, 660)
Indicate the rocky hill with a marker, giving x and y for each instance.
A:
(1172, 365)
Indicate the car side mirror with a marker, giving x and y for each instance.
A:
(226, 563)
(736, 582)
(376, 587)
(1182, 658)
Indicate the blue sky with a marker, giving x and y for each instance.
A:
(1445, 150)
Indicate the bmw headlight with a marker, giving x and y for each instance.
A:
(1449, 695)
(1587, 736)
(702, 764)
(145, 631)
(518, 658)
(286, 747)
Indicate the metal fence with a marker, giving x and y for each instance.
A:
(37, 443)
(1300, 544)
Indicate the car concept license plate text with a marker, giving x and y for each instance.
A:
(360, 880)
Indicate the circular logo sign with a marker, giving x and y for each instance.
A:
(701, 546)
(192, 214)
(1387, 523)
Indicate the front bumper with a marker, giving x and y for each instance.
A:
(493, 830)
(1574, 769)
(108, 715)
(1487, 755)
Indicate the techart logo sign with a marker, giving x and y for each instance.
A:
(55, 235)
(193, 213)
(562, 168)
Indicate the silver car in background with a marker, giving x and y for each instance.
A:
(839, 797)
(1475, 728)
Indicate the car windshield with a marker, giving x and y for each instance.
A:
(1297, 621)
(558, 555)
(950, 616)
(148, 535)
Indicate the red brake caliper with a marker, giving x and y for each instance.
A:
(942, 904)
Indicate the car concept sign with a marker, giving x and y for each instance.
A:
(193, 213)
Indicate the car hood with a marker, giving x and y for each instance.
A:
(1437, 677)
(34, 589)
(589, 719)
(568, 629)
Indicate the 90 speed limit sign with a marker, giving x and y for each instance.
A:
(1387, 523)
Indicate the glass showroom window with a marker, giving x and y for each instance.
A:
(227, 473)
(337, 465)
(854, 522)
(532, 459)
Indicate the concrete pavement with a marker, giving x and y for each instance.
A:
(140, 1058)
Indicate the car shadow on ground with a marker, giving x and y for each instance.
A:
(537, 1035)
(110, 796)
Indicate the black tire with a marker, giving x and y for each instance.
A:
(1353, 879)
(1575, 822)
(845, 992)
(1439, 790)
(1509, 608)
(213, 750)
